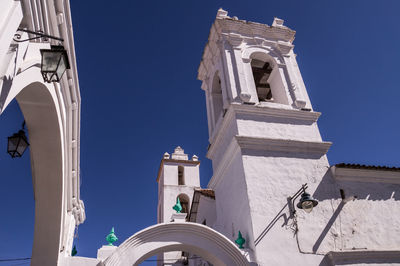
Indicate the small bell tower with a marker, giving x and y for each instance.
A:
(177, 178)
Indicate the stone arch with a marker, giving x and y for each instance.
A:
(42, 111)
(269, 54)
(191, 237)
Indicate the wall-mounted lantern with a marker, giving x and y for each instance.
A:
(307, 203)
(54, 61)
(17, 143)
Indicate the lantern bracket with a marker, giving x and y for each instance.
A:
(39, 34)
(294, 197)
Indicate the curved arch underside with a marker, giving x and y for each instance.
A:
(191, 237)
(39, 105)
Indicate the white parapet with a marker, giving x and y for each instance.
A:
(105, 251)
(178, 217)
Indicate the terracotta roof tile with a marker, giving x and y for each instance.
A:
(368, 167)
(207, 192)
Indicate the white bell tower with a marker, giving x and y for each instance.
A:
(263, 133)
(177, 178)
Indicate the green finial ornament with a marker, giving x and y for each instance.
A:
(240, 240)
(111, 237)
(177, 207)
(74, 251)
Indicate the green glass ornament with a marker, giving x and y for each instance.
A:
(74, 251)
(177, 207)
(240, 240)
(111, 237)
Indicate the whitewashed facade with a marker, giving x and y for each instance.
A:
(264, 144)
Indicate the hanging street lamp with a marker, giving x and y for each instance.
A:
(17, 143)
(54, 61)
(307, 202)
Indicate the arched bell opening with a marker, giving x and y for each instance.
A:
(268, 79)
(216, 98)
(184, 200)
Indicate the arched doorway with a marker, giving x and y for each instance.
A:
(190, 237)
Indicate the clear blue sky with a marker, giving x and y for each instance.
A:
(137, 66)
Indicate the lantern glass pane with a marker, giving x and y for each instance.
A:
(22, 146)
(307, 206)
(12, 143)
(50, 60)
(61, 67)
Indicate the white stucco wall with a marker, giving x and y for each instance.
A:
(206, 211)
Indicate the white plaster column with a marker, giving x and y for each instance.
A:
(248, 72)
(294, 84)
(226, 90)
(244, 93)
(210, 111)
(228, 62)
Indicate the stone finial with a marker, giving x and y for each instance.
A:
(179, 154)
(278, 22)
(222, 13)
(195, 157)
(166, 155)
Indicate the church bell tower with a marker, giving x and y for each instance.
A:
(177, 178)
(263, 133)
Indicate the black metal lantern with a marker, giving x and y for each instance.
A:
(54, 63)
(17, 144)
(307, 203)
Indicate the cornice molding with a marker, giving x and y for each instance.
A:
(243, 27)
(283, 145)
(366, 175)
(240, 33)
(346, 257)
(277, 112)
(265, 144)
(266, 111)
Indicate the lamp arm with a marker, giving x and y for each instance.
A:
(17, 36)
(295, 196)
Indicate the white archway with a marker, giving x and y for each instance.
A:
(191, 237)
(52, 115)
(42, 110)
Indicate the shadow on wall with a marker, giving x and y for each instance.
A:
(5, 89)
(281, 214)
